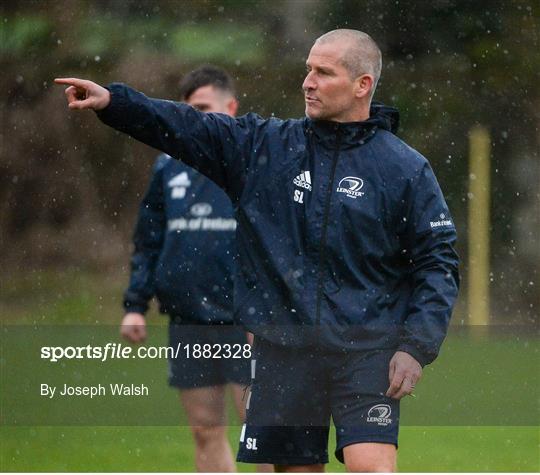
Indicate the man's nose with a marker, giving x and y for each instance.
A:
(309, 83)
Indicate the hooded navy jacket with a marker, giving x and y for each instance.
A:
(344, 237)
(184, 247)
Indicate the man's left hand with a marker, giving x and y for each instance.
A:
(404, 373)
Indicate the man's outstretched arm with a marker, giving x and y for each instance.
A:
(215, 144)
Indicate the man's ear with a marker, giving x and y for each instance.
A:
(232, 106)
(363, 85)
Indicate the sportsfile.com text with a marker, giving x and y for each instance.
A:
(120, 351)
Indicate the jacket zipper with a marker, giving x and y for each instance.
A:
(325, 227)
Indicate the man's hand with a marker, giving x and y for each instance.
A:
(83, 94)
(404, 373)
(133, 327)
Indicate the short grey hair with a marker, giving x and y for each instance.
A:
(362, 56)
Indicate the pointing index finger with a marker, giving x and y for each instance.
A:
(71, 82)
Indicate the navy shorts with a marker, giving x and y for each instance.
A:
(189, 373)
(295, 391)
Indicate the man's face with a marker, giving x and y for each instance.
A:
(211, 99)
(329, 91)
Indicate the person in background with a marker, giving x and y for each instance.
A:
(184, 250)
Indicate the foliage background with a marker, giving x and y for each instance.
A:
(69, 187)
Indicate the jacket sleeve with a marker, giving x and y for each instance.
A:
(429, 239)
(148, 242)
(214, 144)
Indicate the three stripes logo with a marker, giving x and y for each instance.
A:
(303, 180)
(179, 185)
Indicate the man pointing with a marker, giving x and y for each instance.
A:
(347, 272)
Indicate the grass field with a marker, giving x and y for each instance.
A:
(152, 449)
(477, 408)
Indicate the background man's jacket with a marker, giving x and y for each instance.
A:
(184, 247)
(344, 237)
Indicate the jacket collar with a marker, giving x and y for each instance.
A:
(350, 134)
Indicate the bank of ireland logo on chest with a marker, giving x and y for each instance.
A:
(351, 186)
(201, 209)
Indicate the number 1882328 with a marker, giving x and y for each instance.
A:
(217, 351)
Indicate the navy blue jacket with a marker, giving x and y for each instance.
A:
(184, 247)
(344, 237)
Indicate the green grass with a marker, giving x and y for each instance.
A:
(152, 449)
(476, 409)
(469, 449)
